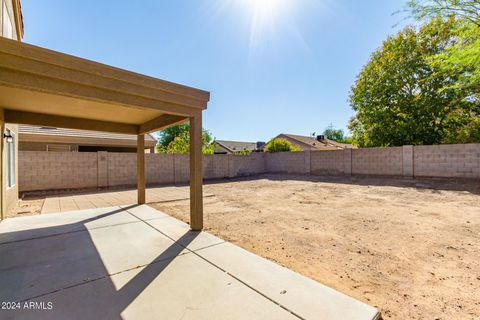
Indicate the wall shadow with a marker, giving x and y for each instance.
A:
(435, 184)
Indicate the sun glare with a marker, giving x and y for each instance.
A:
(270, 23)
(265, 7)
(265, 16)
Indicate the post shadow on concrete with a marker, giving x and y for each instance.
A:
(105, 302)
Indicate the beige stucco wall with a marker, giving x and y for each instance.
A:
(7, 20)
(11, 194)
(8, 29)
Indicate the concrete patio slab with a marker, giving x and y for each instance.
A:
(186, 287)
(96, 199)
(144, 212)
(307, 297)
(174, 229)
(24, 228)
(149, 266)
(68, 259)
(179, 232)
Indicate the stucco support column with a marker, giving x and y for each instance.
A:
(196, 173)
(141, 169)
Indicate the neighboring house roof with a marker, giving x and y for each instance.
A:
(235, 146)
(60, 135)
(313, 142)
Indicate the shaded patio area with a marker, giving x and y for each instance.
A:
(136, 262)
(95, 199)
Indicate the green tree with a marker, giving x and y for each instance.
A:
(334, 134)
(462, 54)
(167, 135)
(243, 152)
(463, 9)
(280, 145)
(402, 97)
(176, 139)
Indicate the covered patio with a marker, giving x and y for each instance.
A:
(131, 261)
(47, 88)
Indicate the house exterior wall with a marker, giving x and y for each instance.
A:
(10, 193)
(7, 19)
(9, 196)
(39, 146)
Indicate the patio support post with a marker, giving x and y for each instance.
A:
(141, 169)
(196, 173)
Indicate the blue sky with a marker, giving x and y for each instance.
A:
(272, 66)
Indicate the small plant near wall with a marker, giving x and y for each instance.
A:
(280, 145)
(243, 152)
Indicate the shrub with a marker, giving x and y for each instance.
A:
(243, 152)
(280, 145)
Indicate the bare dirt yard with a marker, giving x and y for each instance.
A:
(409, 247)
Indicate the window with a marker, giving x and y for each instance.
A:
(9, 158)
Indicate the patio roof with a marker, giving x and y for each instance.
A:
(98, 97)
(47, 88)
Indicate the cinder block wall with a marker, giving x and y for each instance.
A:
(241, 166)
(288, 162)
(327, 162)
(41, 170)
(460, 160)
(122, 169)
(378, 161)
(159, 170)
(215, 166)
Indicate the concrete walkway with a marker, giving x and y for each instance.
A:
(96, 199)
(134, 262)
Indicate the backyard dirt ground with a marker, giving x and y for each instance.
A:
(409, 247)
